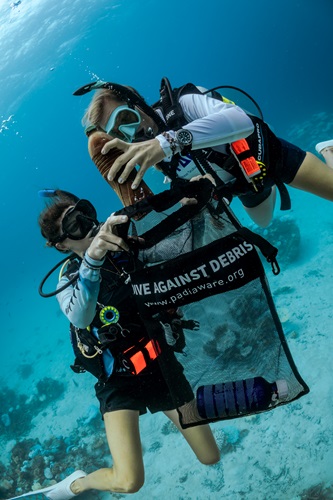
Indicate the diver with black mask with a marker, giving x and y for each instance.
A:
(110, 341)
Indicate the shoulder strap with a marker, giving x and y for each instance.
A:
(169, 102)
(169, 105)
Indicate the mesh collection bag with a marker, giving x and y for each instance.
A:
(201, 267)
(214, 277)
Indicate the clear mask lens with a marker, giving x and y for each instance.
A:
(123, 123)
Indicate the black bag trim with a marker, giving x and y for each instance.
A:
(225, 264)
(201, 190)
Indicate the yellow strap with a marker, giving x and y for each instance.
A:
(225, 99)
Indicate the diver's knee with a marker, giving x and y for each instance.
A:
(129, 482)
(133, 486)
(132, 483)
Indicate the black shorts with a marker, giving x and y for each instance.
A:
(284, 163)
(148, 390)
(251, 200)
(292, 159)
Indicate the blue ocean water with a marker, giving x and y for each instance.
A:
(280, 53)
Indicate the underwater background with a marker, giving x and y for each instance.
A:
(280, 52)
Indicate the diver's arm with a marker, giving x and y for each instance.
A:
(78, 301)
(211, 121)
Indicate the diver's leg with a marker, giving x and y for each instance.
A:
(315, 176)
(127, 473)
(262, 214)
(200, 438)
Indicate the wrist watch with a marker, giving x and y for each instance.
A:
(184, 139)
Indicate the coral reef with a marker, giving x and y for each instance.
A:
(14, 405)
(35, 464)
(169, 428)
(25, 370)
(49, 389)
(318, 492)
(229, 438)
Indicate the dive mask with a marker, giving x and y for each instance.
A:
(78, 221)
(123, 123)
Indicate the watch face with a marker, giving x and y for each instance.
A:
(184, 137)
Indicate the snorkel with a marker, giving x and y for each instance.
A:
(53, 193)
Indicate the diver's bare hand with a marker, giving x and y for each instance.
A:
(106, 239)
(141, 154)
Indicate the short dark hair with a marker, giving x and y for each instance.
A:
(49, 218)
